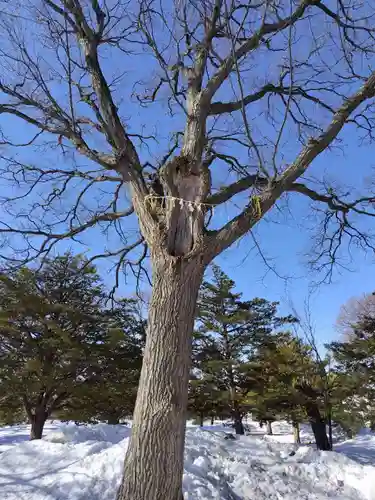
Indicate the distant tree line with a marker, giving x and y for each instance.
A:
(67, 352)
(63, 350)
(247, 359)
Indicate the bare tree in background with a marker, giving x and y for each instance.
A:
(139, 120)
(353, 312)
(321, 387)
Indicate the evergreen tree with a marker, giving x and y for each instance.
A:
(205, 399)
(56, 337)
(355, 365)
(296, 386)
(228, 331)
(111, 395)
(212, 92)
(120, 366)
(349, 401)
(357, 354)
(276, 369)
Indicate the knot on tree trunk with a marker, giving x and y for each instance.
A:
(181, 165)
(183, 186)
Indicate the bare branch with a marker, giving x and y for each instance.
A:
(252, 43)
(241, 185)
(332, 200)
(67, 84)
(218, 108)
(243, 223)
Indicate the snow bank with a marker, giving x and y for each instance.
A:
(361, 449)
(254, 468)
(72, 433)
(85, 462)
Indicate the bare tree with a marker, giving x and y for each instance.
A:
(141, 120)
(323, 383)
(351, 313)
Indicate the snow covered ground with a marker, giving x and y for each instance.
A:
(85, 463)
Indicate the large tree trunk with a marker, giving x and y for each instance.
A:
(238, 425)
(318, 426)
(320, 434)
(201, 419)
(154, 462)
(113, 420)
(269, 428)
(296, 432)
(37, 422)
(330, 433)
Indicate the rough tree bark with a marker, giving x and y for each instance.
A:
(160, 412)
(37, 417)
(174, 230)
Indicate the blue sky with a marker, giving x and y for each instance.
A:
(288, 244)
(286, 241)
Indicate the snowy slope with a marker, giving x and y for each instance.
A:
(81, 463)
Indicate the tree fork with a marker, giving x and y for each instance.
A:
(37, 424)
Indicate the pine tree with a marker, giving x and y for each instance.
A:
(110, 395)
(275, 371)
(292, 384)
(228, 331)
(355, 366)
(151, 157)
(56, 337)
(205, 399)
(358, 352)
